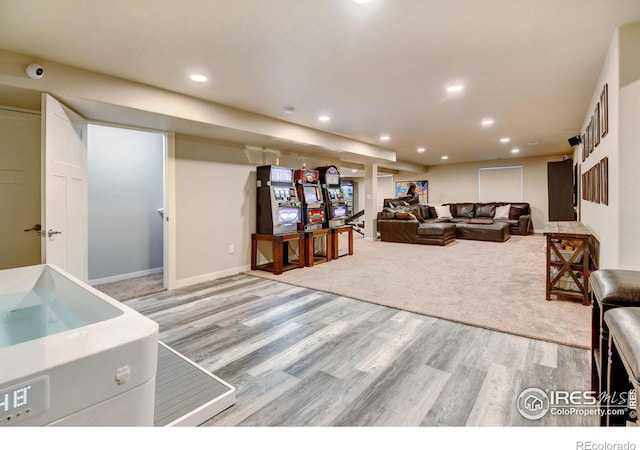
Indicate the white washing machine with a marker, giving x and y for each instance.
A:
(70, 355)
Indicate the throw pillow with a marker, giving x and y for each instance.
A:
(403, 215)
(388, 213)
(443, 211)
(418, 212)
(515, 212)
(502, 212)
(432, 212)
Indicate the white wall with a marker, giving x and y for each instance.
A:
(629, 154)
(216, 205)
(601, 219)
(450, 183)
(125, 184)
(615, 225)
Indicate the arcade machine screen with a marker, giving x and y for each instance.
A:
(280, 175)
(340, 211)
(332, 179)
(311, 194)
(288, 215)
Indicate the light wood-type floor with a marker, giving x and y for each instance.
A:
(299, 357)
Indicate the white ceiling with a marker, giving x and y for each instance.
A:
(375, 68)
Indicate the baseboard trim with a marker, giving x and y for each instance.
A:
(210, 276)
(125, 276)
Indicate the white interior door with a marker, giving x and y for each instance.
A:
(64, 193)
(19, 188)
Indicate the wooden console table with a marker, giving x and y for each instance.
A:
(310, 256)
(569, 260)
(335, 240)
(280, 248)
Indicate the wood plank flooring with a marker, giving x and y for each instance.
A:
(299, 357)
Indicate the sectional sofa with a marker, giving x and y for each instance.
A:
(442, 224)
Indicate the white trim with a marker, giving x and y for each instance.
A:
(125, 276)
(170, 230)
(210, 276)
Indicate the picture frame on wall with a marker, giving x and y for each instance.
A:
(422, 189)
(596, 126)
(604, 110)
(604, 179)
(596, 182)
(591, 136)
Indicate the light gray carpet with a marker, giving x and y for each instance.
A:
(500, 286)
(133, 287)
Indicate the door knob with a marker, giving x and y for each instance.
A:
(36, 227)
(51, 232)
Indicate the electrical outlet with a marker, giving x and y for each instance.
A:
(231, 248)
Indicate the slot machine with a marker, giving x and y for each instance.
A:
(310, 194)
(278, 206)
(337, 210)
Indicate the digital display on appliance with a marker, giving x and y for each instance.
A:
(315, 216)
(340, 211)
(281, 175)
(335, 194)
(311, 194)
(289, 215)
(332, 178)
(24, 400)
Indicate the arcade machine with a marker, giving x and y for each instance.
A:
(336, 203)
(336, 207)
(310, 194)
(316, 238)
(279, 209)
(278, 213)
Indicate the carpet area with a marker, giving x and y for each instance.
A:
(499, 286)
(133, 287)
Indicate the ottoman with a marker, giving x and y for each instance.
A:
(436, 233)
(624, 365)
(610, 288)
(496, 231)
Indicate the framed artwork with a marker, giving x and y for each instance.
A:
(604, 111)
(596, 183)
(587, 137)
(596, 125)
(604, 179)
(422, 189)
(591, 135)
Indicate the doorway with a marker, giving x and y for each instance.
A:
(126, 210)
(20, 241)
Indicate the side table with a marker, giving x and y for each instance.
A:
(310, 256)
(280, 252)
(335, 240)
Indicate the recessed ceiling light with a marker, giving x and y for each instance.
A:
(289, 110)
(199, 78)
(455, 88)
(421, 149)
(444, 157)
(361, 2)
(504, 140)
(515, 150)
(324, 118)
(385, 137)
(354, 170)
(533, 142)
(487, 122)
